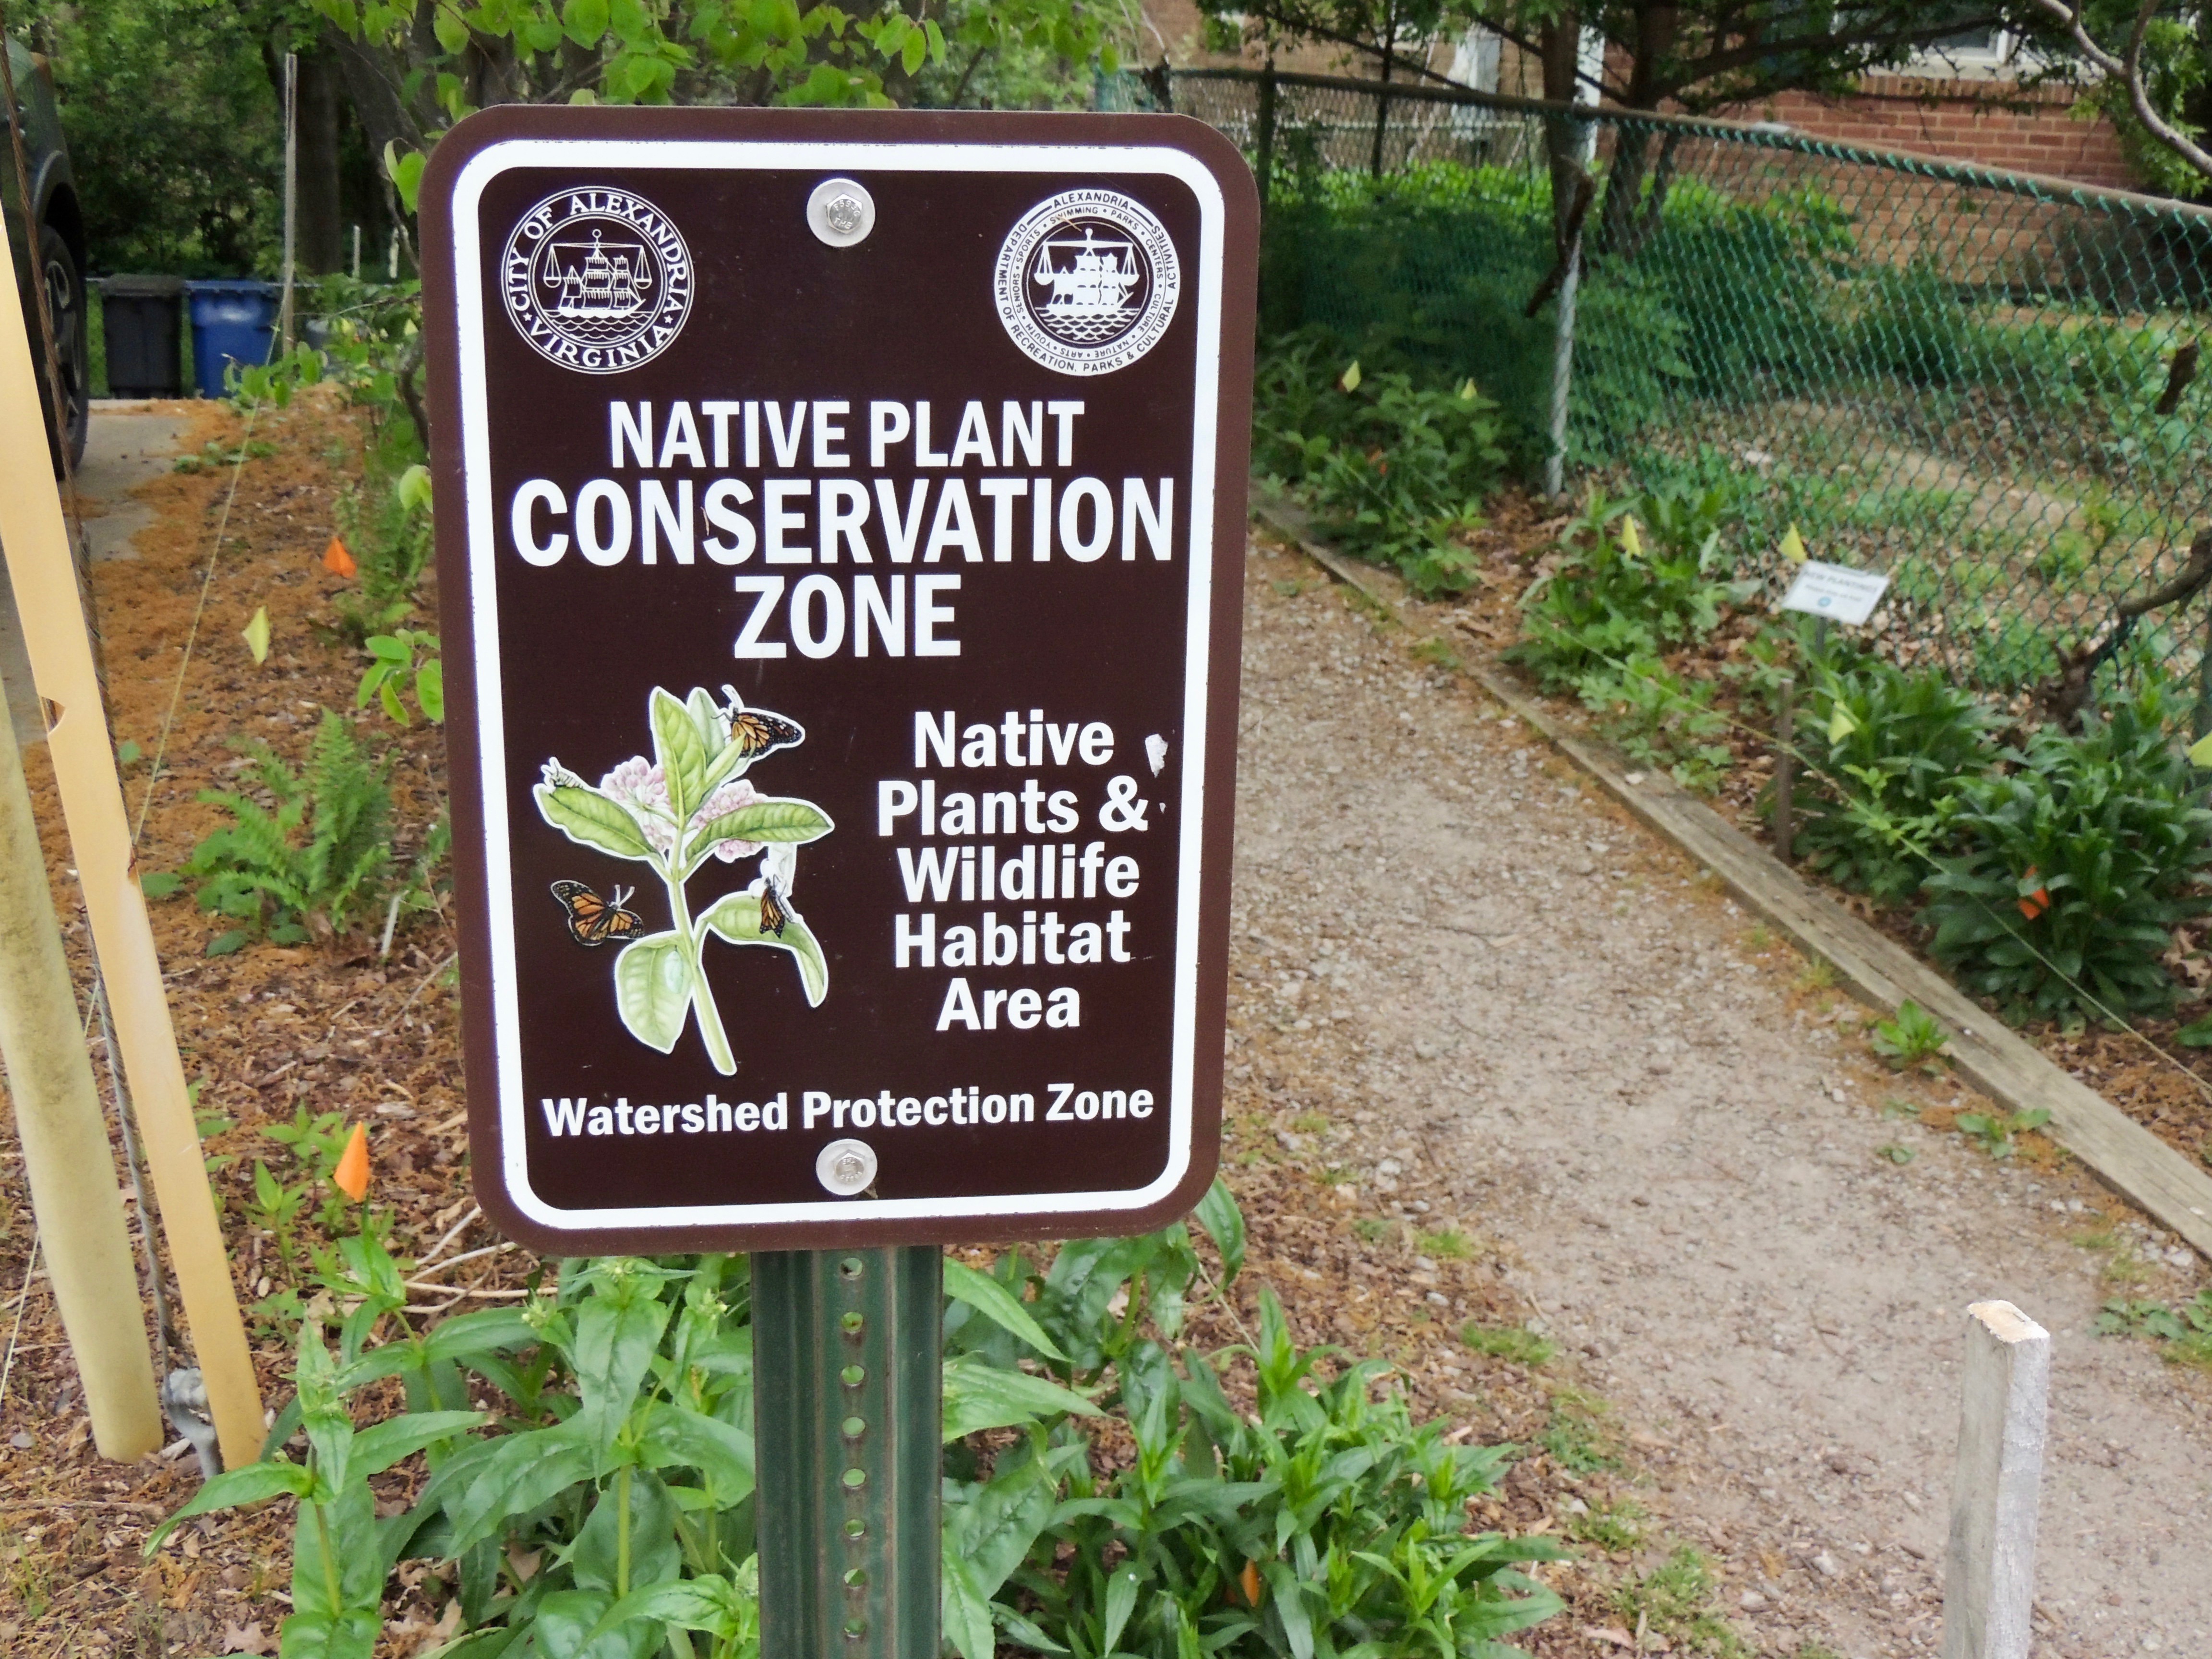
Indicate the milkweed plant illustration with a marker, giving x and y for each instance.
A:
(688, 807)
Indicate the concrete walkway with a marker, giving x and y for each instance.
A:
(129, 444)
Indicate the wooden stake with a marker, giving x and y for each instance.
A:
(64, 1135)
(1785, 770)
(46, 599)
(1989, 1571)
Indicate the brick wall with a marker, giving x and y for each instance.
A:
(2033, 132)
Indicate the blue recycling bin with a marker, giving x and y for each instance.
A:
(233, 321)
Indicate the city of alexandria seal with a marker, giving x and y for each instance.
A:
(1086, 281)
(596, 280)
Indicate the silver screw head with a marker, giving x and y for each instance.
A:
(845, 1168)
(841, 212)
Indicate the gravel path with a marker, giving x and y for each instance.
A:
(1517, 1007)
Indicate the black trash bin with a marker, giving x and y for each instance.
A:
(144, 321)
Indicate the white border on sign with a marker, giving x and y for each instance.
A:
(678, 155)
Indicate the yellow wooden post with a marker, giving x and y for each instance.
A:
(64, 1135)
(36, 544)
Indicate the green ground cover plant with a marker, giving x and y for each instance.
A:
(1636, 577)
(1396, 470)
(1888, 750)
(2082, 855)
(601, 1497)
(308, 863)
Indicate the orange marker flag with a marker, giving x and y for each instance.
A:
(338, 561)
(2036, 902)
(351, 1177)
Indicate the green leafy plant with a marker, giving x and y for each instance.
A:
(1617, 594)
(1885, 751)
(341, 1551)
(618, 1462)
(390, 543)
(1993, 1131)
(1912, 1038)
(2079, 862)
(310, 868)
(690, 803)
(274, 1207)
(400, 665)
(1896, 1152)
(1661, 719)
(2184, 1329)
(1396, 470)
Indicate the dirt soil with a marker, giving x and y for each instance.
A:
(1500, 1070)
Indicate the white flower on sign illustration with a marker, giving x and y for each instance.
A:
(686, 806)
(639, 784)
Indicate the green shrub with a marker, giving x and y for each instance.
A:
(2078, 863)
(619, 1456)
(1661, 719)
(1619, 592)
(1888, 749)
(313, 865)
(1394, 470)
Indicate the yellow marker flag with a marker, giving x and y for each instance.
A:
(1840, 724)
(2200, 752)
(1350, 379)
(1793, 545)
(255, 634)
(1631, 539)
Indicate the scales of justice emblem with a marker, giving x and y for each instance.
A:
(1087, 282)
(597, 280)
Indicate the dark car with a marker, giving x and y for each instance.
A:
(59, 256)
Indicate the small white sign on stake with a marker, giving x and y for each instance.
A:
(1836, 591)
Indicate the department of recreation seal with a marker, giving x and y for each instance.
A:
(1086, 281)
(597, 280)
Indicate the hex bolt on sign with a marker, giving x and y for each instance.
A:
(839, 212)
(847, 1168)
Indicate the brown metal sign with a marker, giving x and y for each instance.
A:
(841, 518)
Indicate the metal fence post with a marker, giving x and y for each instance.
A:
(1267, 135)
(1785, 769)
(846, 1349)
(1562, 368)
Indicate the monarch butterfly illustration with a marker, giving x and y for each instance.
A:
(593, 920)
(758, 730)
(772, 916)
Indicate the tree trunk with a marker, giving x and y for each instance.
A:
(1656, 27)
(320, 233)
(1561, 42)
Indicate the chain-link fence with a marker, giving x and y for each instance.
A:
(1974, 380)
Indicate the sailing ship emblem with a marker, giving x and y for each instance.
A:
(1086, 281)
(593, 283)
(597, 280)
(1093, 283)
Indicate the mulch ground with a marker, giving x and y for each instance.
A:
(348, 1026)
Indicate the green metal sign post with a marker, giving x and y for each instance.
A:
(846, 1348)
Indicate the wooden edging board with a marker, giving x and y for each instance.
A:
(2011, 1070)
